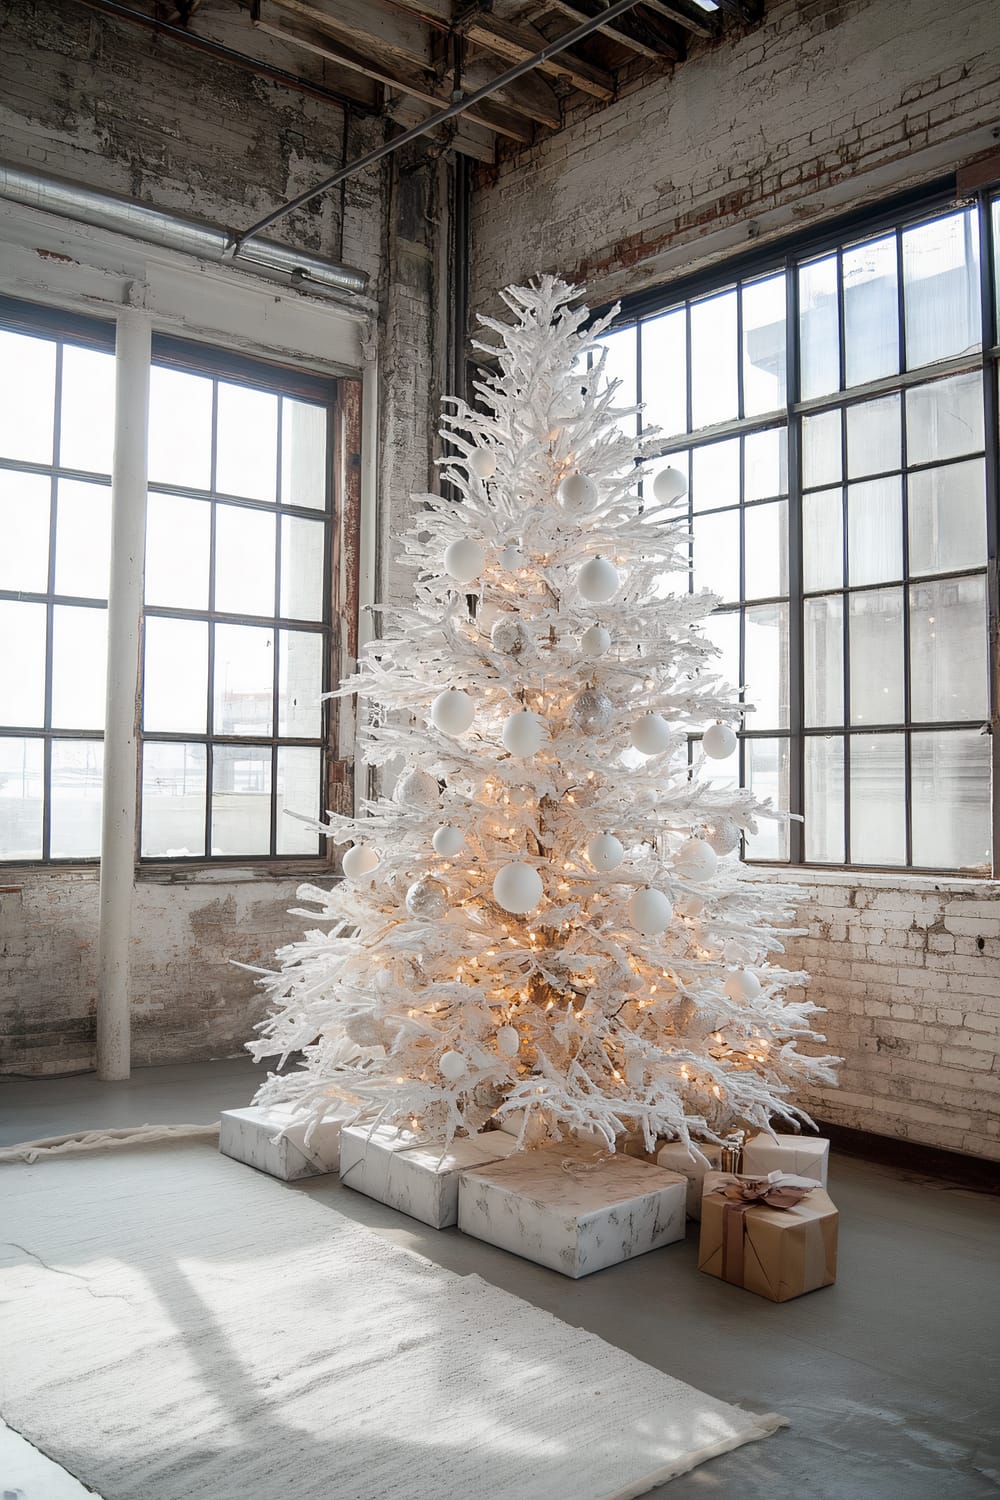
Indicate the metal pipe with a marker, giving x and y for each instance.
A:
(460, 105)
(155, 226)
(133, 343)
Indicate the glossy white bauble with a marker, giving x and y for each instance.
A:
(448, 840)
(464, 560)
(651, 734)
(696, 860)
(523, 732)
(577, 492)
(511, 557)
(416, 789)
(483, 463)
(453, 1066)
(743, 985)
(452, 711)
(595, 641)
(605, 852)
(719, 741)
(650, 911)
(359, 861)
(669, 485)
(518, 888)
(427, 899)
(508, 1041)
(598, 580)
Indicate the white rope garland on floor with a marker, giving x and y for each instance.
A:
(98, 1140)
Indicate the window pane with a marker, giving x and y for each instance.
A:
(664, 372)
(241, 799)
(714, 385)
(24, 531)
(77, 771)
(765, 550)
(948, 650)
(244, 561)
(717, 553)
(177, 543)
(300, 683)
(173, 800)
(875, 531)
(620, 364)
(878, 811)
(871, 314)
(764, 345)
(298, 791)
(715, 475)
(244, 680)
(175, 680)
(822, 457)
(766, 671)
(22, 773)
(941, 288)
(819, 328)
(823, 539)
(180, 428)
(79, 667)
(302, 568)
(723, 630)
(873, 437)
(765, 464)
(823, 627)
(22, 663)
(947, 517)
(27, 397)
(824, 798)
(944, 420)
(83, 539)
(87, 417)
(951, 799)
(247, 459)
(767, 777)
(876, 636)
(304, 453)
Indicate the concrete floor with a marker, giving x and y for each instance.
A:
(890, 1378)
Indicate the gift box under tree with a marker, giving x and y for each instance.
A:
(775, 1235)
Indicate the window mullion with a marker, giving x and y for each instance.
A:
(796, 645)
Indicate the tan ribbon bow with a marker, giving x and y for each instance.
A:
(773, 1190)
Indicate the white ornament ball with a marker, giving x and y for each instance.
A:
(518, 888)
(464, 560)
(483, 463)
(591, 711)
(695, 860)
(511, 557)
(452, 711)
(509, 635)
(359, 861)
(743, 985)
(669, 485)
(448, 840)
(651, 734)
(724, 834)
(605, 852)
(453, 1066)
(508, 1041)
(427, 899)
(650, 911)
(417, 790)
(595, 641)
(577, 492)
(719, 741)
(598, 580)
(523, 732)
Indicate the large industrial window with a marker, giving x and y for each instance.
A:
(238, 606)
(834, 416)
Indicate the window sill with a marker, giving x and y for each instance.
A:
(881, 880)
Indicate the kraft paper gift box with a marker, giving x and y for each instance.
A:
(676, 1157)
(802, 1155)
(777, 1252)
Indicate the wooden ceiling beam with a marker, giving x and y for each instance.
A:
(664, 52)
(517, 43)
(690, 16)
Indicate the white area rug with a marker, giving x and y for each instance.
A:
(176, 1326)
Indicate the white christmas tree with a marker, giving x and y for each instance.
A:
(547, 920)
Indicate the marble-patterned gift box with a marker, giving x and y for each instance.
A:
(415, 1173)
(571, 1208)
(274, 1140)
(802, 1155)
(779, 1253)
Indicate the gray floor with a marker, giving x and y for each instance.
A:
(890, 1378)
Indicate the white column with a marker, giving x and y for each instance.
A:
(128, 536)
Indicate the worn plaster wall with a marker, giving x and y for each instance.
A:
(103, 103)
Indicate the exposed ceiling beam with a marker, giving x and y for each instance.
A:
(690, 16)
(468, 139)
(664, 52)
(518, 43)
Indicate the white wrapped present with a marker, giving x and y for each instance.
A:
(802, 1155)
(274, 1140)
(415, 1173)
